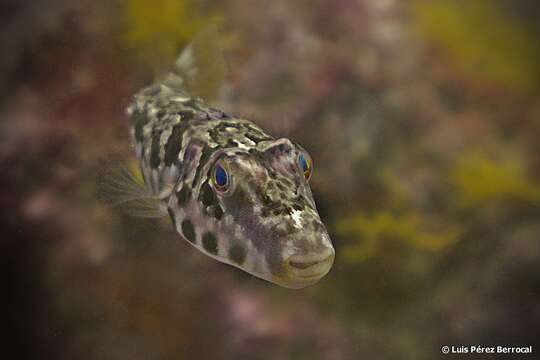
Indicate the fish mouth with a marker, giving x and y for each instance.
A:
(305, 270)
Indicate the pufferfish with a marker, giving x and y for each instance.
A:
(231, 190)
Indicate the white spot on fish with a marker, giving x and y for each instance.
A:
(243, 146)
(297, 217)
(180, 99)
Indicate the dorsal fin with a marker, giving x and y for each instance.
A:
(200, 69)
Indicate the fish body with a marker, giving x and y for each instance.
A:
(231, 190)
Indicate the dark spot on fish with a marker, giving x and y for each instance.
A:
(186, 115)
(139, 120)
(207, 195)
(256, 131)
(174, 144)
(224, 115)
(188, 230)
(274, 259)
(219, 131)
(205, 155)
(298, 207)
(255, 137)
(154, 151)
(265, 199)
(227, 124)
(209, 242)
(218, 212)
(171, 214)
(183, 195)
(237, 254)
(268, 203)
(214, 135)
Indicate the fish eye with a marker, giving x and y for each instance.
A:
(305, 165)
(221, 178)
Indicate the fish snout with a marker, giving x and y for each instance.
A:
(308, 268)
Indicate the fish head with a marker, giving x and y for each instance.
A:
(270, 227)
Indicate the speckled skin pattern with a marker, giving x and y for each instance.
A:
(266, 223)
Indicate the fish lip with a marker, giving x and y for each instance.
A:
(311, 275)
(310, 271)
(304, 263)
(298, 280)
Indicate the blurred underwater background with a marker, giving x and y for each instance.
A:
(423, 120)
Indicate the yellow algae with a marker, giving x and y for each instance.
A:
(412, 229)
(479, 180)
(482, 40)
(159, 28)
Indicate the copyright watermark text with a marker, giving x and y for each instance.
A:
(479, 349)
